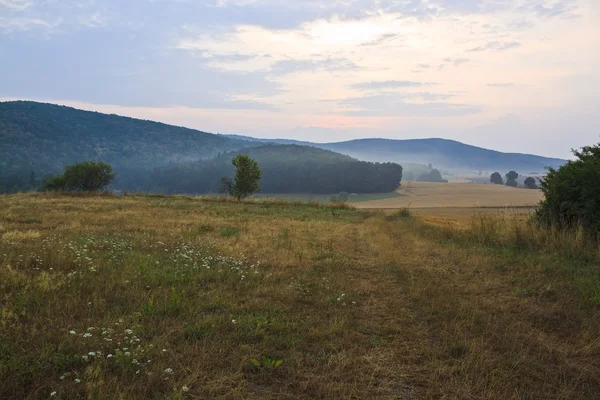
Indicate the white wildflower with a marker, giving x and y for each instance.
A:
(185, 388)
(73, 332)
(52, 394)
(168, 371)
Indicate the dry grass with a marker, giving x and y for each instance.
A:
(442, 195)
(204, 299)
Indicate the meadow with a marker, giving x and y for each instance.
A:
(160, 297)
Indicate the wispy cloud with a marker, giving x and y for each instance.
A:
(501, 85)
(388, 85)
(496, 46)
(397, 104)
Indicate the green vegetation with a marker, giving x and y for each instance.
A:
(247, 176)
(433, 175)
(87, 176)
(496, 179)
(511, 179)
(530, 183)
(172, 297)
(44, 138)
(285, 169)
(572, 193)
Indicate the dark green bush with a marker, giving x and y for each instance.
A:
(85, 176)
(572, 193)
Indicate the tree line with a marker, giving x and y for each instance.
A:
(511, 180)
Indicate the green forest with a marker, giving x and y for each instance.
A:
(39, 140)
(285, 169)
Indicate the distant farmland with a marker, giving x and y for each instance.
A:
(418, 195)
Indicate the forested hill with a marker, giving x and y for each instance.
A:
(286, 169)
(43, 138)
(442, 153)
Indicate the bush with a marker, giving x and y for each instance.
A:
(572, 193)
(85, 176)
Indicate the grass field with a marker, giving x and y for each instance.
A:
(155, 297)
(461, 195)
(324, 198)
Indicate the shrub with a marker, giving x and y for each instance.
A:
(572, 192)
(85, 176)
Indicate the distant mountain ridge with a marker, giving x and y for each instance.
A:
(442, 153)
(38, 139)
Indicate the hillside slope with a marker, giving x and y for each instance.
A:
(442, 153)
(45, 137)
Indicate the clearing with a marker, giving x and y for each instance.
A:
(161, 297)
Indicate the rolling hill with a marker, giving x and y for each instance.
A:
(43, 138)
(442, 153)
(38, 139)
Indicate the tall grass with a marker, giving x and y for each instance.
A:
(516, 231)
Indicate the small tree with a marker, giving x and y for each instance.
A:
(85, 176)
(247, 176)
(511, 179)
(530, 183)
(496, 179)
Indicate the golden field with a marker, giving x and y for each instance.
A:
(456, 195)
(156, 297)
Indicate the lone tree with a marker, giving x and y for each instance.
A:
(87, 176)
(496, 179)
(511, 179)
(572, 193)
(530, 183)
(247, 175)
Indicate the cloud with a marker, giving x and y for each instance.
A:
(285, 67)
(388, 85)
(394, 104)
(563, 9)
(502, 85)
(496, 46)
(454, 61)
(16, 4)
(380, 40)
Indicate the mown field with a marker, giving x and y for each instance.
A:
(325, 198)
(456, 195)
(153, 297)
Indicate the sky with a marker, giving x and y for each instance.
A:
(512, 75)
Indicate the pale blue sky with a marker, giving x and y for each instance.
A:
(515, 75)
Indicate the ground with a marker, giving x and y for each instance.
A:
(140, 297)
(456, 195)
